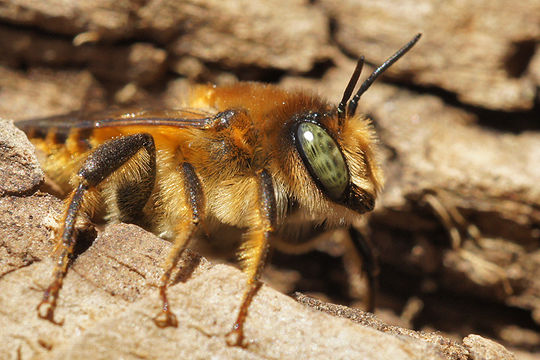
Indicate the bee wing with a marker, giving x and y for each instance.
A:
(181, 118)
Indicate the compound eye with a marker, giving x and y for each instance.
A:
(323, 159)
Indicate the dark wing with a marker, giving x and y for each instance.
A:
(182, 118)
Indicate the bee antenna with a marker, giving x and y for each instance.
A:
(351, 108)
(349, 89)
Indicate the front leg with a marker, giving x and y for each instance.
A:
(360, 256)
(255, 249)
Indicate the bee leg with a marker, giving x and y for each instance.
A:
(255, 250)
(101, 163)
(126, 194)
(360, 254)
(193, 198)
(358, 257)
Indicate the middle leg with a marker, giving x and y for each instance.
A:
(255, 249)
(190, 211)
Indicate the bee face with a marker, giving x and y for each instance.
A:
(340, 157)
(340, 162)
(359, 145)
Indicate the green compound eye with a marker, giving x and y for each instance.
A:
(323, 159)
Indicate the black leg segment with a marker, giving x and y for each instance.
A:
(111, 155)
(369, 264)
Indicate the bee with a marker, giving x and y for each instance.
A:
(252, 156)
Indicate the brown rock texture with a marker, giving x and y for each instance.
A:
(457, 227)
(110, 296)
(16, 153)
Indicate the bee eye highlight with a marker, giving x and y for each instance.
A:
(323, 158)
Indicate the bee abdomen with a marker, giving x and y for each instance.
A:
(54, 136)
(74, 140)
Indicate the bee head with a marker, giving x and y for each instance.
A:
(337, 148)
(342, 164)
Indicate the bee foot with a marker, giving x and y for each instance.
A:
(45, 311)
(235, 337)
(165, 319)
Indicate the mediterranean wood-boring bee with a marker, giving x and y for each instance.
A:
(248, 155)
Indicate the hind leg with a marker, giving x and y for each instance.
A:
(103, 162)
